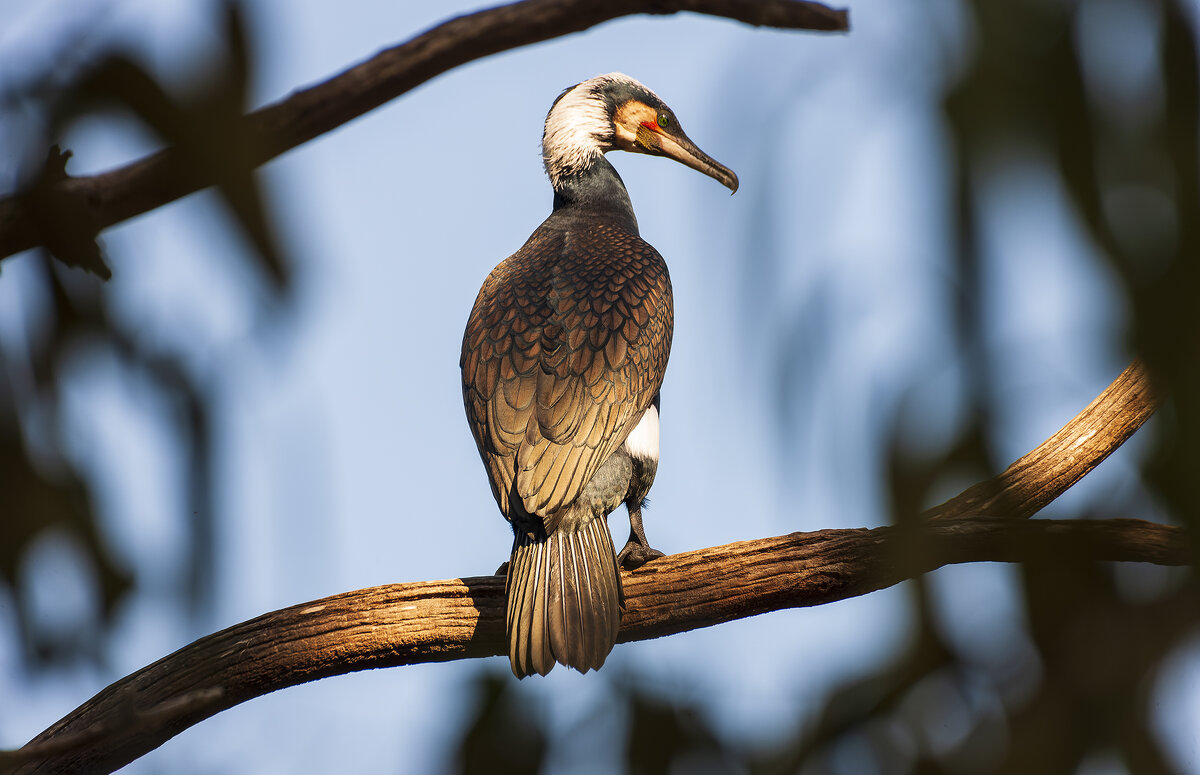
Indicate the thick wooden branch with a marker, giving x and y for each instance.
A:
(155, 180)
(443, 620)
(404, 624)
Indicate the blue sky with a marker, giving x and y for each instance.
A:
(345, 457)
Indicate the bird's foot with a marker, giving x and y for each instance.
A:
(636, 554)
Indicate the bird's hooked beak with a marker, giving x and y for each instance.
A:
(640, 128)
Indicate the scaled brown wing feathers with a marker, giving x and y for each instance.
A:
(564, 350)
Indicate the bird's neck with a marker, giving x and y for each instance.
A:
(596, 189)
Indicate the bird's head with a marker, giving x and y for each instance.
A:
(616, 112)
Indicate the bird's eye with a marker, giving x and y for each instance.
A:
(664, 120)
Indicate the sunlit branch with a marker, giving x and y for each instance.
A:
(436, 621)
(153, 181)
(1036, 479)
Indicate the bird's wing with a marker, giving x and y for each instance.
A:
(564, 350)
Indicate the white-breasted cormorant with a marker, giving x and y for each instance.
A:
(562, 361)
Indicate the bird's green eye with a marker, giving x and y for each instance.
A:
(664, 120)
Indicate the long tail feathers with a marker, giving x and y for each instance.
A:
(564, 600)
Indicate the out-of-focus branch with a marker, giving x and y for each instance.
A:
(155, 180)
(464, 618)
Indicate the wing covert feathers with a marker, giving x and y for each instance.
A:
(564, 350)
(564, 599)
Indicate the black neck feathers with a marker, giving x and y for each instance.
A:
(596, 191)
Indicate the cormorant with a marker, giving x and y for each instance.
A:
(562, 361)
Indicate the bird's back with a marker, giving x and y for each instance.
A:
(565, 348)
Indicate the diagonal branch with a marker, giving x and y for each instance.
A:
(153, 181)
(464, 618)
(1032, 482)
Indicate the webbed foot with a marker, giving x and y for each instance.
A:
(637, 551)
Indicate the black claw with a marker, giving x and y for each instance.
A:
(635, 555)
(637, 551)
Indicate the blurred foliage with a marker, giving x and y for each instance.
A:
(45, 490)
(504, 737)
(508, 735)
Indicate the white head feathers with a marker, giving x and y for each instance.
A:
(579, 126)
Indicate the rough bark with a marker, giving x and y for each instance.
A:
(464, 618)
(436, 621)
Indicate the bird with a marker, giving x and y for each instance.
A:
(562, 362)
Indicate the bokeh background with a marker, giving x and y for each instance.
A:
(956, 225)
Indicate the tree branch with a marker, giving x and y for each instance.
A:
(464, 618)
(437, 621)
(155, 180)
(1032, 482)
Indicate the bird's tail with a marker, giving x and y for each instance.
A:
(564, 599)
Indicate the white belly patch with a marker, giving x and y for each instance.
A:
(643, 442)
